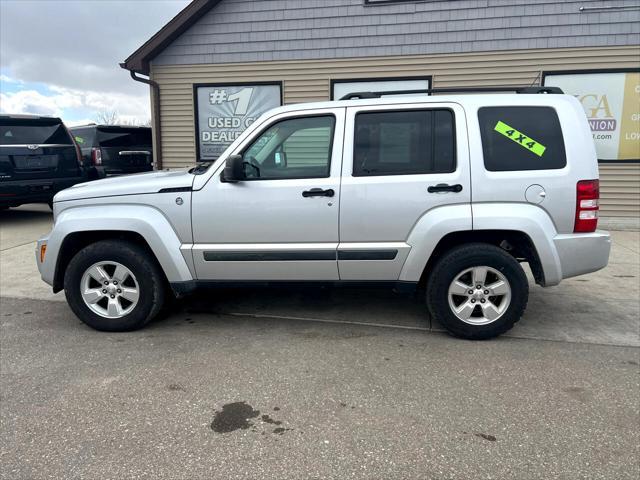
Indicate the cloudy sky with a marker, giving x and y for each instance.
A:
(61, 57)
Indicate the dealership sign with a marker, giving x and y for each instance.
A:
(223, 112)
(611, 101)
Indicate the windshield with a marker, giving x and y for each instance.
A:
(30, 132)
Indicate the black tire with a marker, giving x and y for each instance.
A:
(146, 270)
(458, 260)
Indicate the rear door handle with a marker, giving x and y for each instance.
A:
(443, 187)
(318, 192)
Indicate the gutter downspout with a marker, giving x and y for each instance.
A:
(157, 144)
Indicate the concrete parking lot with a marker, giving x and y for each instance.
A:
(318, 384)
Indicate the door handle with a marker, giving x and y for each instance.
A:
(318, 192)
(443, 187)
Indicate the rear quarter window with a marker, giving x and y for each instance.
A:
(85, 137)
(521, 138)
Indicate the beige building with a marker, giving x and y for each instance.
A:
(220, 63)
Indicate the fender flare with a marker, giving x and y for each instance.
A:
(427, 233)
(146, 221)
(434, 225)
(529, 219)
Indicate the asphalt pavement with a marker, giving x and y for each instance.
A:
(318, 384)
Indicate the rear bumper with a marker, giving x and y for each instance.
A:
(581, 253)
(16, 193)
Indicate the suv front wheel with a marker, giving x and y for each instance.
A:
(114, 286)
(477, 291)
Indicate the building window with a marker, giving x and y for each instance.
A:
(340, 88)
(611, 100)
(521, 138)
(409, 142)
(224, 111)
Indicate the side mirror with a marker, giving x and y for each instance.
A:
(233, 169)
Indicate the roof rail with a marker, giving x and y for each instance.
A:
(429, 91)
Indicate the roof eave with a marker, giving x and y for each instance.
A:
(139, 61)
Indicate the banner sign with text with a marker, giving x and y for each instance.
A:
(611, 101)
(224, 112)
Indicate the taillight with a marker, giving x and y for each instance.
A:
(96, 156)
(587, 206)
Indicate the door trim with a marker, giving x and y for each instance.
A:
(268, 255)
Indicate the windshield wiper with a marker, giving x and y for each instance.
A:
(200, 168)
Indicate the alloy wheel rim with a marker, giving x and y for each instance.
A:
(479, 295)
(109, 289)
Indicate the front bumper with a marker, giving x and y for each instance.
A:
(581, 253)
(46, 268)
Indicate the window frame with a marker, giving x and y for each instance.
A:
(563, 142)
(258, 135)
(407, 110)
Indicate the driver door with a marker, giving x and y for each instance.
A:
(281, 222)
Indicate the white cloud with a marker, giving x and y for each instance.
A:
(72, 49)
(33, 102)
(130, 108)
(75, 123)
(79, 44)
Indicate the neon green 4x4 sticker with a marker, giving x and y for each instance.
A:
(520, 138)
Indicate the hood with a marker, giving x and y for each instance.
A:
(136, 184)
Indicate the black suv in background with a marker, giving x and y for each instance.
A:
(114, 149)
(38, 158)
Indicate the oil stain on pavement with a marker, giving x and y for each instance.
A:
(233, 416)
(238, 415)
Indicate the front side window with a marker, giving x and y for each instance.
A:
(521, 138)
(293, 148)
(404, 143)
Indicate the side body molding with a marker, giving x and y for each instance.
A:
(144, 220)
(428, 231)
(529, 219)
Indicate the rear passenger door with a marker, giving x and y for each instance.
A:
(400, 162)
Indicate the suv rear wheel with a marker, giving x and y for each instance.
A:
(477, 291)
(114, 286)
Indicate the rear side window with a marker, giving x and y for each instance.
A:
(83, 136)
(32, 132)
(521, 138)
(406, 142)
(122, 137)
